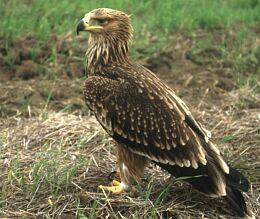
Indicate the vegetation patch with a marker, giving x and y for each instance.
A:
(53, 153)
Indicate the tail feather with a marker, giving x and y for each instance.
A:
(237, 202)
(213, 181)
(236, 180)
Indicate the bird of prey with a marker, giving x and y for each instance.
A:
(146, 118)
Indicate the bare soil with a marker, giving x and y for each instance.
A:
(33, 81)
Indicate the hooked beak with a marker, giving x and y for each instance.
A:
(84, 25)
(81, 26)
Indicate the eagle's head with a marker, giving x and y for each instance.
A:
(110, 32)
(105, 23)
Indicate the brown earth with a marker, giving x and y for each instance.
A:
(34, 79)
(30, 72)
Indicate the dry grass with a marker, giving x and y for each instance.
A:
(51, 165)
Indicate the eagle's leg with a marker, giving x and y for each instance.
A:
(116, 188)
(131, 168)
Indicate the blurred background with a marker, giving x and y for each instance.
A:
(38, 40)
(207, 51)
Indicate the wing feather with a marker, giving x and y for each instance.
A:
(149, 118)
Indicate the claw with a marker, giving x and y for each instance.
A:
(116, 188)
(114, 174)
(113, 189)
(115, 183)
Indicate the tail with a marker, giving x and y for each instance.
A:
(237, 202)
(236, 182)
(214, 182)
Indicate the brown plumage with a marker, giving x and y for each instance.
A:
(146, 118)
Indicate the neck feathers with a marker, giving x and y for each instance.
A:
(105, 51)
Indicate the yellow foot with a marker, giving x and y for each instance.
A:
(116, 188)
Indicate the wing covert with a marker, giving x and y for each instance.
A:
(147, 118)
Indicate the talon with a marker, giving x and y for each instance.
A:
(114, 174)
(116, 188)
(115, 183)
(113, 189)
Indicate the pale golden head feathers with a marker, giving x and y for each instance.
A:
(107, 23)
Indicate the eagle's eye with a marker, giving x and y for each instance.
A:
(99, 21)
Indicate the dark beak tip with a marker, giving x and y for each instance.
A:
(80, 26)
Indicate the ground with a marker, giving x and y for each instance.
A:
(53, 153)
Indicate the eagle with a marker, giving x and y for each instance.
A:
(146, 118)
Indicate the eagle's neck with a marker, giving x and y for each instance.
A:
(103, 52)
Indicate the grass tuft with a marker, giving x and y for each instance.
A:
(53, 154)
(53, 166)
